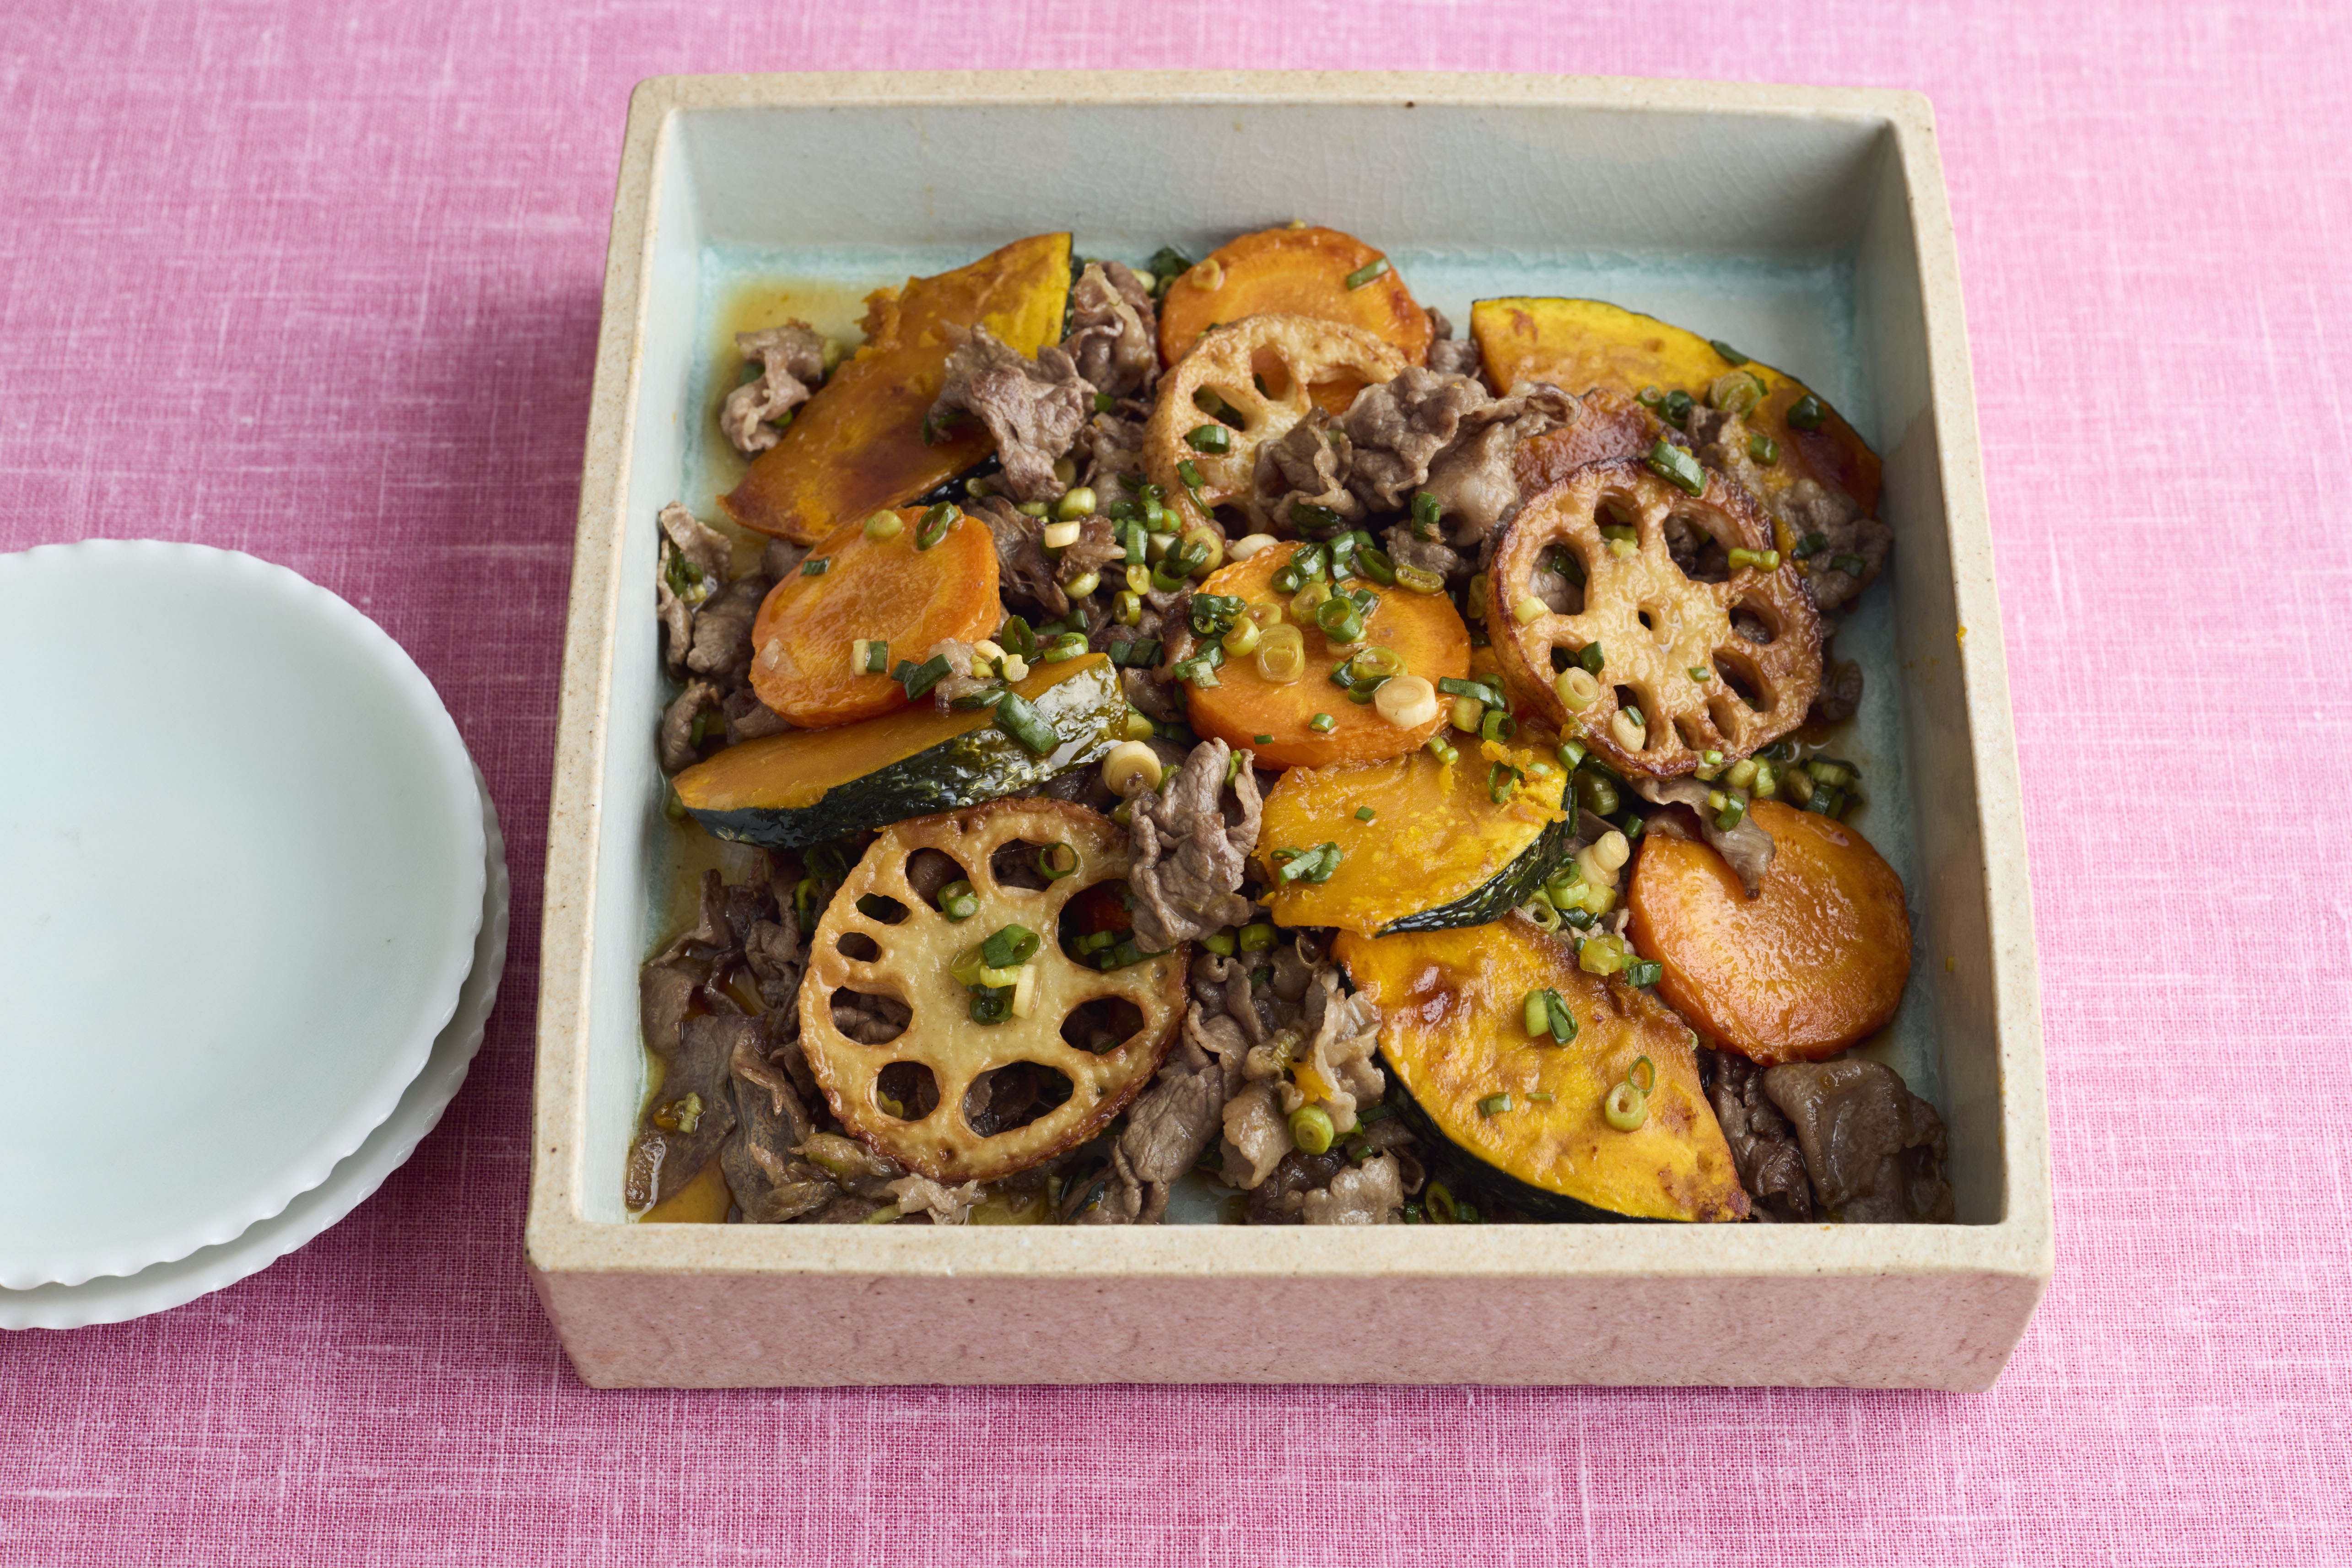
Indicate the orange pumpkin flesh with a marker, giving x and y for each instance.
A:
(1293, 272)
(1423, 629)
(1814, 963)
(859, 442)
(879, 590)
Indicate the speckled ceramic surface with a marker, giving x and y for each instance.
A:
(294, 829)
(1807, 225)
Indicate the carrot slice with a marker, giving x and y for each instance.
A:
(1276, 720)
(1814, 963)
(1295, 272)
(883, 590)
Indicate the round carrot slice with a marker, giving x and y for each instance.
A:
(1293, 272)
(887, 591)
(1278, 719)
(1814, 962)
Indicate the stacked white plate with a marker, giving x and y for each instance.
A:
(252, 911)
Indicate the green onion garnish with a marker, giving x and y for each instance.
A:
(1018, 718)
(1321, 724)
(957, 901)
(1810, 545)
(1103, 402)
(1644, 972)
(1215, 440)
(1368, 272)
(1675, 407)
(1365, 813)
(1057, 861)
(1698, 672)
(1763, 450)
(1805, 413)
(877, 658)
(1315, 865)
(1676, 468)
(1010, 947)
(1502, 783)
(1642, 1076)
(1591, 658)
(1851, 565)
(1425, 514)
(935, 524)
(1494, 1105)
(1454, 687)
(816, 566)
(1727, 351)
(1307, 514)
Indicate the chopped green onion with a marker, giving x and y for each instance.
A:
(1215, 440)
(1190, 473)
(1805, 413)
(877, 658)
(1425, 514)
(935, 526)
(1376, 565)
(1592, 658)
(1016, 718)
(1595, 794)
(1540, 1097)
(1644, 972)
(1311, 1129)
(1256, 938)
(1436, 746)
(1571, 753)
(1677, 466)
(1315, 865)
(1419, 579)
(991, 1004)
(1675, 407)
(1851, 565)
(1056, 861)
(1221, 943)
(1453, 686)
(1009, 947)
(1729, 353)
(1262, 739)
(1497, 726)
(957, 901)
(1369, 271)
(1502, 782)
(1103, 402)
(1494, 1105)
(1763, 450)
(1698, 672)
(1761, 560)
(816, 566)
(1642, 1076)
(883, 526)
(1307, 514)
(1322, 723)
(1626, 1108)
(1340, 621)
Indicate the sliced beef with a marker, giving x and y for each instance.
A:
(694, 564)
(1406, 547)
(1113, 340)
(858, 1170)
(1840, 694)
(1873, 1150)
(694, 1112)
(1256, 1137)
(1763, 1145)
(1810, 507)
(1746, 849)
(665, 990)
(1152, 696)
(722, 628)
(674, 742)
(1341, 1031)
(1281, 1198)
(1444, 434)
(1025, 574)
(792, 362)
(921, 1196)
(770, 1184)
(1449, 355)
(1094, 550)
(748, 718)
(1188, 860)
(1035, 408)
(1371, 1193)
(1309, 466)
(777, 959)
(781, 559)
(1168, 1129)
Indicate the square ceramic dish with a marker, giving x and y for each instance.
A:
(1809, 227)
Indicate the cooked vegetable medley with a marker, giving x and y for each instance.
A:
(1205, 742)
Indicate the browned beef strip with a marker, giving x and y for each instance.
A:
(1747, 848)
(1025, 574)
(1281, 1198)
(1810, 507)
(781, 559)
(1407, 547)
(1150, 695)
(1449, 355)
(675, 743)
(1188, 861)
(748, 718)
(1114, 330)
(1371, 1193)
(1035, 408)
(1168, 1128)
(792, 362)
(770, 1184)
(1763, 1145)
(1840, 694)
(1092, 552)
(1875, 1150)
(722, 628)
(663, 1161)
(1444, 434)
(1308, 466)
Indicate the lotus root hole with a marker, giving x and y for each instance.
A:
(869, 1018)
(1754, 620)
(1014, 865)
(907, 1090)
(929, 871)
(859, 945)
(1103, 1024)
(1098, 910)
(1005, 1098)
(1745, 684)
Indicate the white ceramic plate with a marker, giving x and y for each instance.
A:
(245, 864)
(109, 1300)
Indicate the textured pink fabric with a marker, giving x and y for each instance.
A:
(324, 287)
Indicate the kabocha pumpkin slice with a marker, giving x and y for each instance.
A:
(1815, 962)
(1527, 1114)
(791, 790)
(1423, 844)
(1651, 669)
(1303, 271)
(1308, 721)
(1259, 371)
(856, 588)
(929, 1098)
(1582, 345)
(861, 443)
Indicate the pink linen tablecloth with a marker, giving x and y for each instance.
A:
(323, 287)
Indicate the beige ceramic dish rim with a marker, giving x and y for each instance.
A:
(560, 1239)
